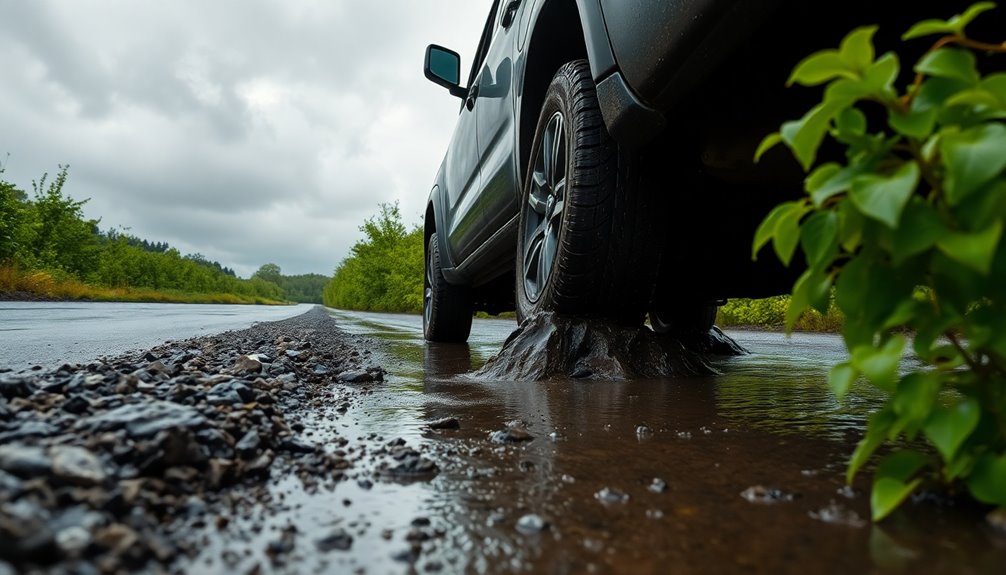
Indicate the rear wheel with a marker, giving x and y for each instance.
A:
(447, 309)
(585, 241)
(683, 319)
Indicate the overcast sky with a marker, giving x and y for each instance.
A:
(250, 131)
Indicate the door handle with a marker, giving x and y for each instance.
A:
(509, 12)
(473, 95)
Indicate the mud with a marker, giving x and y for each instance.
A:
(547, 346)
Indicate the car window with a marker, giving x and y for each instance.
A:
(487, 36)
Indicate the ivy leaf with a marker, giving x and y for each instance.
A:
(973, 158)
(975, 250)
(856, 49)
(948, 428)
(770, 141)
(883, 198)
(952, 63)
(914, 124)
(787, 233)
(888, 493)
(987, 480)
(766, 230)
(819, 68)
(819, 239)
(876, 431)
(804, 136)
(954, 25)
(880, 366)
(902, 464)
(840, 379)
(921, 227)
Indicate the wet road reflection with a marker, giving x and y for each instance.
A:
(635, 476)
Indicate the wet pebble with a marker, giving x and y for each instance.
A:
(838, 515)
(337, 540)
(445, 423)
(515, 432)
(766, 495)
(609, 495)
(76, 465)
(531, 524)
(247, 364)
(230, 392)
(24, 461)
(658, 485)
(643, 431)
(142, 420)
(17, 387)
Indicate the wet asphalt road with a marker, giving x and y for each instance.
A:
(53, 333)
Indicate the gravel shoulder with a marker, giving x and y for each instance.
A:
(123, 464)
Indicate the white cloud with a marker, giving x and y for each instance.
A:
(250, 131)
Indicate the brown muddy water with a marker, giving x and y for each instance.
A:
(736, 473)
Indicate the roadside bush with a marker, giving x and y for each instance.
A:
(770, 313)
(908, 230)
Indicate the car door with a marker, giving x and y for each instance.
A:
(496, 125)
(462, 173)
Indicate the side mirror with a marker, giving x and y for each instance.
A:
(443, 67)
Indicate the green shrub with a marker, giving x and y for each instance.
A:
(908, 231)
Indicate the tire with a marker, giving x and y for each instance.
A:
(684, 319)
(447, 309)
(585, 241)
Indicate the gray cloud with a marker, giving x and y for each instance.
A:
(250, 131)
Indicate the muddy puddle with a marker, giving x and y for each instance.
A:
(736, 473)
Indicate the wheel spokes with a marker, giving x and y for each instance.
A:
(547, 200)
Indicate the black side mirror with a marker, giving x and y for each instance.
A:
(443, 67)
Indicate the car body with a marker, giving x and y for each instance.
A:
(686, 88)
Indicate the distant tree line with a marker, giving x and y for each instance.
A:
(48, 232)
(384, 271)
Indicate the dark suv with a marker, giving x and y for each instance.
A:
(602, 159)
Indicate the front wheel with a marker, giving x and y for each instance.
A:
(585, 241)
(447, 308)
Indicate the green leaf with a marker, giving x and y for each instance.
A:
(820, 176)
(948, 428)
(952, 63)
(976, 97)
(767, 144)
(851, 121)
(915, 396)
(902, 464)
(880, 76)
(804, 136)
(876, 432)
(766, 230)
(840, 379)
(880, 366)
(884, 197)
(787, 233)
(954, 25)
(987, 481)
(810, 289)
(975, 250)
(921, 227)
(819, 68)
(914, 123)
(973, 158)
(819, 238)
(856, 48)
(851, 224)
(995, 84)
(888, 493)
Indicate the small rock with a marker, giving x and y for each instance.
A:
(249, 445)
(658, 485)
(76, 465)
(17, 387)
(143, 420)
(24, 461)
(337, 540)
(531, 524)
(73, 540)
(296, 445)
(643, 431)
(355, 376)
(230, 392)
(445, 423)
(765, 495)
(515, 432)
(76, 405)
(117, 538)
(320, 369)
(247, 364)
(609, 495)
(838, 515)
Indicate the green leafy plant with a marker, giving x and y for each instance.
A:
(907, 231)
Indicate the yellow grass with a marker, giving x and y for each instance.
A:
(44, 285)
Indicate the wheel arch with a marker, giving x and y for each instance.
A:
(557, 36)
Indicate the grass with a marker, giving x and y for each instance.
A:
(48, 286)
(770, 313)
